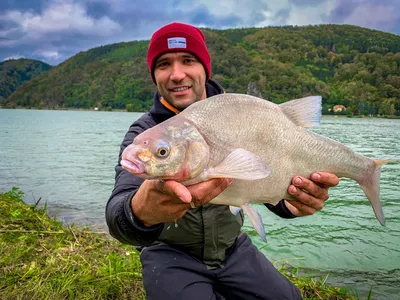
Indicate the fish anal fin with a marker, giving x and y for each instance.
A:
(256, 220)
(234, 209)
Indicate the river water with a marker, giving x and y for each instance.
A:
(67, 158)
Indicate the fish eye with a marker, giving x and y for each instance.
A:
(162, 150)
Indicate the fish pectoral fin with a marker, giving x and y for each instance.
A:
(255, 219)
(234, 209)
(240, 164)
(304, 112)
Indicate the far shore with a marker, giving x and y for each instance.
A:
(124, 110)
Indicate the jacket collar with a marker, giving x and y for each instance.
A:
(161, 112)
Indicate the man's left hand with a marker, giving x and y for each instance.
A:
(311, 194)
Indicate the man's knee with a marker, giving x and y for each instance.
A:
(171, 274)
(249, 274)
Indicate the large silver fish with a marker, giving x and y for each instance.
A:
(260, 144)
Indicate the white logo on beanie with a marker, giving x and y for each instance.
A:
(176, 42)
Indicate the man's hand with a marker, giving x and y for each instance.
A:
(311, 194)
(159, 201)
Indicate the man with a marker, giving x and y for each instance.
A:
(191, 249)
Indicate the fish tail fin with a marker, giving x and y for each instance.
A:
(256, 220)
(371, 187)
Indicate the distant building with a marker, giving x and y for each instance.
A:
(339, 108)
(96, 108)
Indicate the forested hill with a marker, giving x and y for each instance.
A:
(353, 66)
(14, 72)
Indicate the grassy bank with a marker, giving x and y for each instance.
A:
(40, 258)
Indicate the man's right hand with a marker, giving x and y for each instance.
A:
(159, 201)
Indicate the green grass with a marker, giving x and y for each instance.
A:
(312, 288)
(40, 258)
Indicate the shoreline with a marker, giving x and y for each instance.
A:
(141, 112)
(41, 257)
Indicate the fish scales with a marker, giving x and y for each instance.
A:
(264, 130)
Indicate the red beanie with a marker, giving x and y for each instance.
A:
(178, 37)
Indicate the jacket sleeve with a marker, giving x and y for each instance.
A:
(122, 223)
(280, 210)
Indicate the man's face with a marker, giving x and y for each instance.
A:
(180, 79)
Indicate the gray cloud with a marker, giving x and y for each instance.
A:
(202, 15)
(342, 11)
(97, 9)
(53, 33)
(32, 5)
(54, 30)
(305, 2)
(377, 14)
(282, 16)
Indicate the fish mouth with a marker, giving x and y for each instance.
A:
(133, 167)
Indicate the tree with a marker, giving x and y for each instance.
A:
(387, 108)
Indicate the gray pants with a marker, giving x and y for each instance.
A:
(169, 273)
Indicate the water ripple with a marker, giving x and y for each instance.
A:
(68, 159)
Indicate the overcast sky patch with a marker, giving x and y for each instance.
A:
(54, 30)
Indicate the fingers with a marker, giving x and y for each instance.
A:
(311, 194)
(196, 194)
(205, 191)
(224, 183)
(173, 188)
(306, 190)
(325, 179)
(298, 208)
(305, 204)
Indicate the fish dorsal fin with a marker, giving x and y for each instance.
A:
(304, 112)
(240, 164)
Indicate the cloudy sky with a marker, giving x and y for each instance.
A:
(54, 30)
